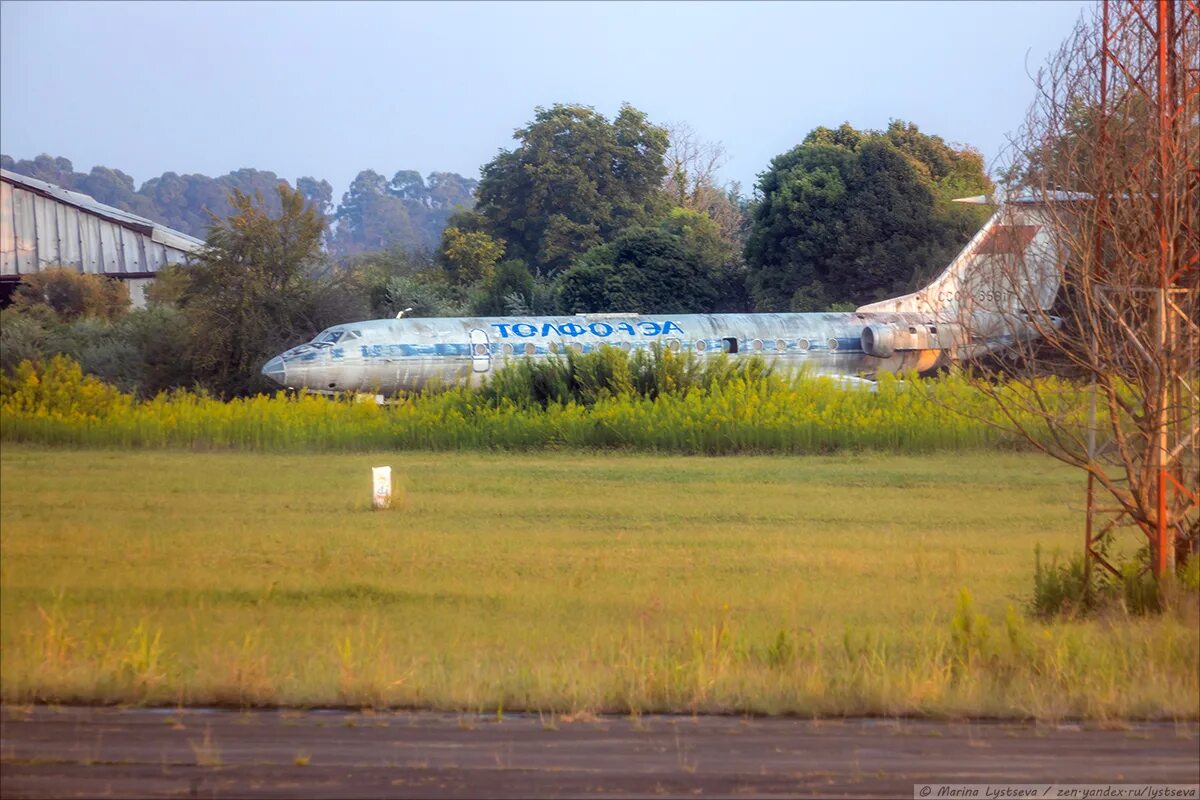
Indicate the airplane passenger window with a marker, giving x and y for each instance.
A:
(674, 345)
(701, 345)
(626, 346)
(757, 344)
(481, 349)
(780, 345)
(833, 344)
(530, 349)
(577, 347)
(803, 344)
(507, 349)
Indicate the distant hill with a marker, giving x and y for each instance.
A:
(407, 212)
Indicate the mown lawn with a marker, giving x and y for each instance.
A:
(562, 582)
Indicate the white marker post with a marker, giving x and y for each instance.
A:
(381, 480)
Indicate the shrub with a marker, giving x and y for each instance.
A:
(1062, 589)
(1069, 590)
(70, 295)
(159, 335)
(59, 391)
(587, 378)
(22, 338)
(101, 347)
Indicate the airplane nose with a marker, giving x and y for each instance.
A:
(275, 370)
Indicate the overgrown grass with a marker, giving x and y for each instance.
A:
(847, 584)
(1070, 589)
(663, 404)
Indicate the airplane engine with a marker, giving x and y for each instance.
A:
(882, 339)
(879, 340)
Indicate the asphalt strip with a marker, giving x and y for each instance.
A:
(48, 751)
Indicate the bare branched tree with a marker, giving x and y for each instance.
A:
(1105, 183)
(693, 180)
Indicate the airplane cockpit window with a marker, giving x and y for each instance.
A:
(351, 335)
(328, 338)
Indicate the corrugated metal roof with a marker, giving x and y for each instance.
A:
(43, 225)
(158, 233)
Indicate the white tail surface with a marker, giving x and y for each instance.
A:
(1008, 268)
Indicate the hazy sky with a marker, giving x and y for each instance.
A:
(319, 89)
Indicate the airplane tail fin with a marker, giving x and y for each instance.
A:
(1009, 268)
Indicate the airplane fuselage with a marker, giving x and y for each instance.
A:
(975, 305)
(390, 355)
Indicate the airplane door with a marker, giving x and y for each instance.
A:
(481, 351)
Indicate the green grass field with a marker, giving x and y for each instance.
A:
(562, 583)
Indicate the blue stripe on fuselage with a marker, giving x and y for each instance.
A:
(368, 352)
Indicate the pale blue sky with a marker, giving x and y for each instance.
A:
(329, 89)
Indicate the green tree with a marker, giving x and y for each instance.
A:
(692, 183)
(407, 211)
(645, 270)
(700, 235)
(510, 290)
(318, 194)
(449, 190)
(952, 172)
(407, 184)
(469, 256)
(188, 202)
(422, 295)
(370, 218)
(252, 293)
(851, 216)
(573, 182)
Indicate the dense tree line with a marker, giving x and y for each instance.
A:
(628, 216)
(848, 217)
(587, 214)
(408, 211)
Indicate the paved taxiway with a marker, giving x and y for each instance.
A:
(63, 752)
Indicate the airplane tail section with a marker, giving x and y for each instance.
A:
(1009, 268)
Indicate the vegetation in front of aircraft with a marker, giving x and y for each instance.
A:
(564, 583)
(661, 401)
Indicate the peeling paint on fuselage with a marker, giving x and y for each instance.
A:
(390, 355)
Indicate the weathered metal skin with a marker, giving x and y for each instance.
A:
(389, 355)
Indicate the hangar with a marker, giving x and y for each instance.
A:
(43, 225)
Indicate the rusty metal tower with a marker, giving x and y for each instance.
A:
(1150, 60)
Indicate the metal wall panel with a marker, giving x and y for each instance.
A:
(46, 231)
(131, 249)
(89, 242)
(110, 247)
(137, 290)
(68, 236)
(156, 257)
(8, 237)
(26, 233)
(174, 256)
